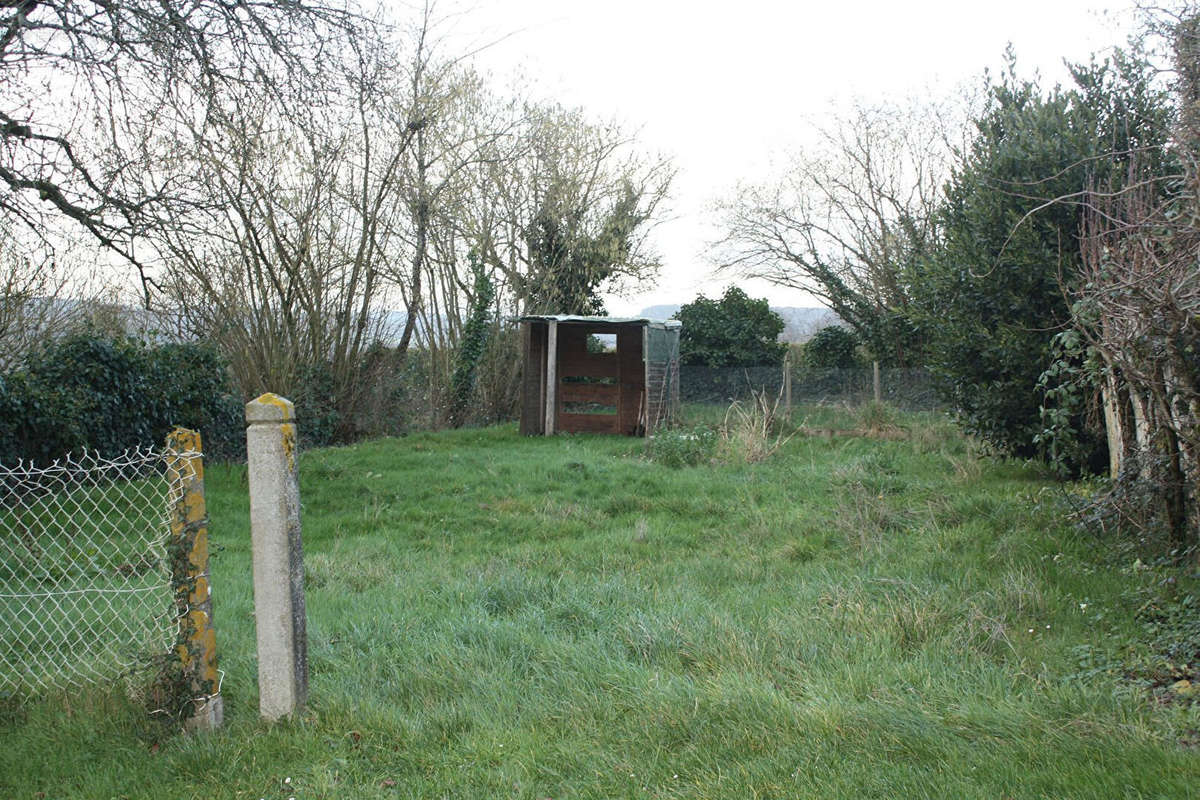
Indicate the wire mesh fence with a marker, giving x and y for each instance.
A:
(909, 389)
(86, 590)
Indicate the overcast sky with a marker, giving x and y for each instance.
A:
(720, 86)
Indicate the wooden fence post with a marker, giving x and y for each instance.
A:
(278, 556)
(197, 642)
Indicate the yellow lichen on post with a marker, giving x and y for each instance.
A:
(283, 404)
(287, 428)
(288, 432)
(196, 644)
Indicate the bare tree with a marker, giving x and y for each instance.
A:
(457, 123)
(86, 87)
(308, 221)
(1138, 304)
(34, 305)
(846, 219)
(1137, 308)
(572, 211)
(283, 263)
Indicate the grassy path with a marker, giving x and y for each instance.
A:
(493, 616)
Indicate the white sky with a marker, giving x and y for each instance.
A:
(718, 86)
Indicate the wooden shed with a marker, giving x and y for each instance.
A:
(598, 374)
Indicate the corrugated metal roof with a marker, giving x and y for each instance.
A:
(666, 323)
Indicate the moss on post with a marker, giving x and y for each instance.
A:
(196, 645)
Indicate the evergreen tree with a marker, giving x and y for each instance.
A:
(992, 298)
(832, 347)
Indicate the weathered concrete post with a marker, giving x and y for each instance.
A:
(197, 640)
(277, 555)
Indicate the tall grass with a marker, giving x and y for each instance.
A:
(497, 616)
(751, 430)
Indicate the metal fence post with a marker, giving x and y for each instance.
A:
(787, 384)
(277, 556)
(197, 642)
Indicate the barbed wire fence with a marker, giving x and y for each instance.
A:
(89, 575)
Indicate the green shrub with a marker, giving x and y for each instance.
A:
(107, 394)
(832, 347)
(993, 297)
(196, 392)
(315, 401)
(37, 422)
(734, 331)
(682, 447)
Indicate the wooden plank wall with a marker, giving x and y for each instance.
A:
(533, 381)
(631, 378)
(604, 394)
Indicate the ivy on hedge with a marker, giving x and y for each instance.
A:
(104, 394)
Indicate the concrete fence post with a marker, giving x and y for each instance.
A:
(197, 641)
(277, 556)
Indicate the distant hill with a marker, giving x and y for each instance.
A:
(659, 312)
(799, 324)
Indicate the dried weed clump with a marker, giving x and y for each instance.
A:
(753, 430)
(879, 420)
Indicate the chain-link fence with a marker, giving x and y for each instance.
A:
(85, 575)
(910, 389)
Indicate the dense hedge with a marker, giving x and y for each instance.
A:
(103, 394)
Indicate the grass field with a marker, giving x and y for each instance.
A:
(497, 616)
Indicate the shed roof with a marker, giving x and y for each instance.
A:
(571, 318)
